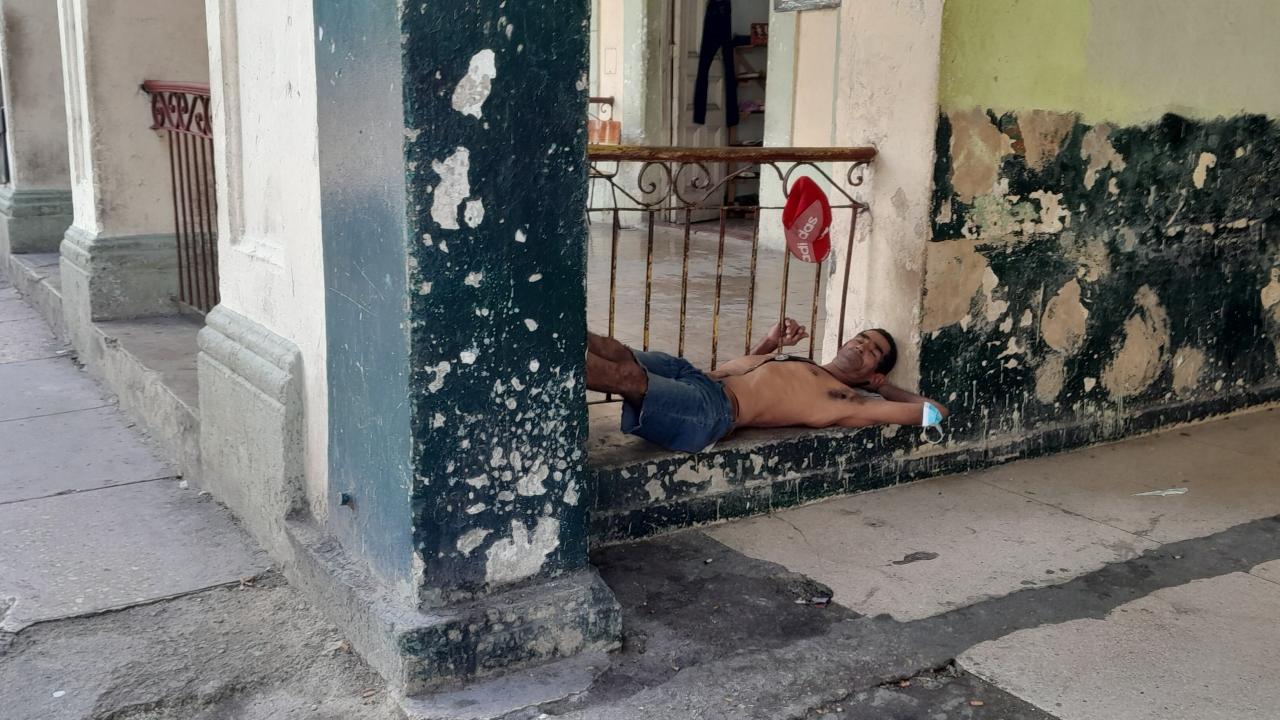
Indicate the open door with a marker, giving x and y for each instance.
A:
(687, 17)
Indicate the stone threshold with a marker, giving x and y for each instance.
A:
(640, 491)
(149, 364)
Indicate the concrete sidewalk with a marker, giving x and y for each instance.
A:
(125, 592)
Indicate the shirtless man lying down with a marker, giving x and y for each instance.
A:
(670, 402)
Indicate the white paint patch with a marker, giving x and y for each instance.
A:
(437, 421)
(440, 370)
(454, 187)
(471, 540)
(521, 556)
(506, 496)
(520, 236)
(531, 324)
(478, 481)
(1027, 319)
(473, 89)
(1201, 173)
(1090, 383)
(477, 509)
(535, 277)
(474, 214)
(474, 279)
(531, 484)
(424, 288)
(533, 366)
(571, 492)
(412, 134)
(655, 490)
(468, 356)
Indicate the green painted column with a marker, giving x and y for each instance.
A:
(453, 142)
(495, 98)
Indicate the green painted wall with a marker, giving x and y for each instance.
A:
(1122, 61)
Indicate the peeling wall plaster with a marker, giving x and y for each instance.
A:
(1139, 262)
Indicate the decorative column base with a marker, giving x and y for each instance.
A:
(252, 445)
(421, 651)
(115, 278)
(33, 221)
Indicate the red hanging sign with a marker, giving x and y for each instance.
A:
(806, 220)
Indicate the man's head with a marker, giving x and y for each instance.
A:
(866, 358)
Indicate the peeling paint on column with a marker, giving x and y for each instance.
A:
(510, 457)
(473, 89)
(520, 556)
(454, 187)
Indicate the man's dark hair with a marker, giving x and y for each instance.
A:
(890, 358)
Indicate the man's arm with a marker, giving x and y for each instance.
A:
(893, 393)
(787, 332)
(883, 412)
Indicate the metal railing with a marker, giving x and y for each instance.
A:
(181, 111)
(662, 198)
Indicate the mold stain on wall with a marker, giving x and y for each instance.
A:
(1079, 271)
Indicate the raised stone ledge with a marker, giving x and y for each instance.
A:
(640, 491)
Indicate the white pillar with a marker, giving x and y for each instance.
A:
(119, 257)
(262, 364)
(888, 97)
(35, 204)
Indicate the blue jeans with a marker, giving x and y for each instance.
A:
(683, 409)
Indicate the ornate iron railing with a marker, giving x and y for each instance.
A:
(659, 199)
(181, 111)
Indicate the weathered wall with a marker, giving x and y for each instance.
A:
(1104, 190)
(119, 166)
(266, 149)
(887, 98)
(36, 122)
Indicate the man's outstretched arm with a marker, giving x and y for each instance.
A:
(890, 412)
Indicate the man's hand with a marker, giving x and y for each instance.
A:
(787, 332)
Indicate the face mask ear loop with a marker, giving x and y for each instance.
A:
(928, 437)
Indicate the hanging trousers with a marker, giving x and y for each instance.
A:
(717, 36)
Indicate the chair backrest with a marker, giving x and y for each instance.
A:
(602, 128)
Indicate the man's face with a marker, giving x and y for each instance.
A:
(864, 352)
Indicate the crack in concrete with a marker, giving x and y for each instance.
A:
(79, 491)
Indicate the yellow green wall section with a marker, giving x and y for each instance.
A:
(1119, 61)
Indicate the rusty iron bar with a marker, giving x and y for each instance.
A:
(751, 280)
(715, 312)
(648, 283)
(684, 281)
(786, 270)
(813, 312)
(848, 266)
(740, 155)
